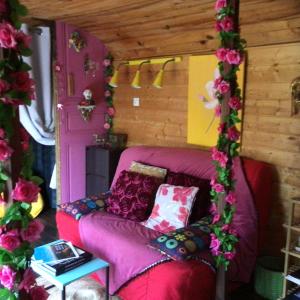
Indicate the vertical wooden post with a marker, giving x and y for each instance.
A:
(221, 274)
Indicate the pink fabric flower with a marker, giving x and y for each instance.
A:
(23, 83)
(38, 293)
(216, 218)
(221, 128)
(7, 36)
(10, 240)
(220, 157)
(233, 133)
(7, 277)
(226, 24)
(233, 57)
(5, 151)
(23, 38)
(229, 255)
(230, 198)
(213, 208)
(235, 103)
(25, 191)
(155, 211)
(218, 111)
(225, 227)
(223, 87)
(33, 232)
(28, 280)
(107, 93)
(183, 214)
(111, 111)
(4, 86)
(106, 126)
(3, 7)
(232, 231)
(181, 194)
(221, 54)
(217, 81)
(220, 4)
(214, 244)
(106, 62)
(218, 187)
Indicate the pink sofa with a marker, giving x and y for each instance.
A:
(190, 279)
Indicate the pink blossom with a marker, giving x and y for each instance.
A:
(233, 57)
(2, 133)
(229, 255)
(223, 87)
(7, 277)
(4, 86)
(25, 191)
(218, 111)
(220, 157)
(5, 151)
(106, 126)
(214, 244)
(233, 133)
(28, 280)
(220, 4)
(218, 187)
(7, 36)
(23, 83)
(213, 208)
(111, 111)
(221, 128)
(10, 240)
(38, 293)
(226, 24)
(3, 7)
(218, 26)
(235, 103)
(106, 62)
(232, 231)
(107, 93)
(221, 54)
(217, 81)
(216, 218)
(225, 227)
(23, 38)
(230, 198)
(33, 232)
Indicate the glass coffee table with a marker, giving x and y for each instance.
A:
(61, 281)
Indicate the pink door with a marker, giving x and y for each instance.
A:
(75, 133)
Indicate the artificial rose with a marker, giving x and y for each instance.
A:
(38, 293)
(107, 94)
(213, 208)
(230, 198)
(2, 133)
(218, 111)
(106, 126)
(28, 280)
(5, 151)
(7, 36)
(7, 277)
(25, 139)
(4, 86)
(23, 83)
(3, 7)
(223, 87)
(33, 232)
(226, 24)
(23, 38)
(25, 191)
(233, 57)
(220, 157)
(219, 188)
(220, 4)
(229, 255)
(235, 103)
(214, 244)
(233, 134)
(225, 227)
(106, 62)
(221, 54)
(216, 218)
(10, 240)
(111, 111)
(221, 128)
(217, 81)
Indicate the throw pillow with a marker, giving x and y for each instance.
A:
(84, 206)
(148, 170)
(172, 208)
(183, 243)
(133, 195)
(202, 201)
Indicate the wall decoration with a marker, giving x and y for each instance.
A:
(202, 102)
(87, 105)
(76, 41)
(90, 67)
(17, 228)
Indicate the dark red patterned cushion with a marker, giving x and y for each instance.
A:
(133, 195)
(202, 202)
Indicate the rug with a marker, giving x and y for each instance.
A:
(85, 288)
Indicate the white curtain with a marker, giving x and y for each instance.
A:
(38, 118)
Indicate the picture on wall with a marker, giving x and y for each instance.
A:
(202, 126)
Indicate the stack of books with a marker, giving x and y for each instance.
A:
(59, 257)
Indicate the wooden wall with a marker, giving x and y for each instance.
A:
(270, 132)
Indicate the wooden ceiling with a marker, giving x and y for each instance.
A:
(144, 28)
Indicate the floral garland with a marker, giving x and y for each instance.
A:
(17, 228)
(230, 55)
(108, 93)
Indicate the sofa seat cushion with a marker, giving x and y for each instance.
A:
(133, 195)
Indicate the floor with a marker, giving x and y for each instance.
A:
(50, 234)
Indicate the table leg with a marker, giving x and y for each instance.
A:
(63, 293)
(107, 284)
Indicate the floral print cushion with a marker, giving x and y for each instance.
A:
(84, 206)
(202, 201)
(172, 208)
(183, 243)
(133, 195)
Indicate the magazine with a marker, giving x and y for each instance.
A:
(55, 252)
